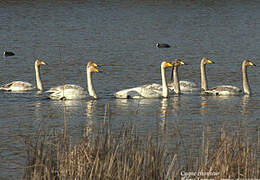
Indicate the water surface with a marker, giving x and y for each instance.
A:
(121, 36)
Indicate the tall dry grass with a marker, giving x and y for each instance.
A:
(125, 156)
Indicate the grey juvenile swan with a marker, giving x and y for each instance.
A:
(19, 86)
(176, 86)
(227, 90)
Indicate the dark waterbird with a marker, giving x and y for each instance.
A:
(8, 53)
(159, 45)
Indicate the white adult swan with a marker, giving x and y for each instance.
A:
(228, 90)
(148, 90)
(71, 91)
(19, 86)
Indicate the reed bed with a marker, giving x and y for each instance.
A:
(104, 155)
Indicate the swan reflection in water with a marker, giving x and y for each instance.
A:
(90, 108)
(163, 117)
(135, 105)
(244, 104)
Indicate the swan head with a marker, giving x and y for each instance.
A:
(39, 62)
(178, 62)
(165, 64)
(92, 67)
(248, 63)
(207, 61)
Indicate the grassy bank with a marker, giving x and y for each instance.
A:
(124, 156)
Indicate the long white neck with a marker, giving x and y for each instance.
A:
(246, 86)
(164, 84)
(38, 78)
(91, 89)
(176, 83)
(203, 76)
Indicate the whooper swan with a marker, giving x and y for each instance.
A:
(148, 90)
(228, 90)
(71, 91)
(19, 86)
(184, 86)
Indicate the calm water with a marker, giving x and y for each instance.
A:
(122, 36)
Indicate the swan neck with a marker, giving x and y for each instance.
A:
(204, 81)
(176, 83)
(164, 84)
(91, 89)
(38, 78)
(246, 86)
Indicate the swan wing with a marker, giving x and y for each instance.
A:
(67, 91)
(17, 86)
(188, 86)
(145, 91)
(185, 86)
(224, 90)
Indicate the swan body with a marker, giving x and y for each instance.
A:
(224, 90)
(144, 91)
(227, 90)
(67, 91)
(185, 86)
(74, 92)
(19, 86)
(149, 90)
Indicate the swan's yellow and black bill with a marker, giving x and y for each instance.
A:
(183, 63)
(251, 63)
(178, 62)
(96, 70)
(43, 63)
(169, 64)
(210, 61)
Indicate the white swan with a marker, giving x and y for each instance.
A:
(227, 90)
(148, 90)
(71, 91)
(175, 86)
(19, 86)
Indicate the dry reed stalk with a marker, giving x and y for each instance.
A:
(125, 156)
